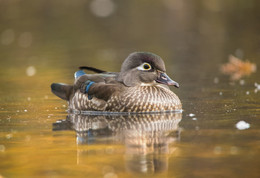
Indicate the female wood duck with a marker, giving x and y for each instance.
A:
(140, 86)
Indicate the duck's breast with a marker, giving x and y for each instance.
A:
(144, 99)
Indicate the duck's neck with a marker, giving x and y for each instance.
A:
(148, 84)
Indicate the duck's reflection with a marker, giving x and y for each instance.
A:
(147, 138)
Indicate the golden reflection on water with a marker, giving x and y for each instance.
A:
(148, 140)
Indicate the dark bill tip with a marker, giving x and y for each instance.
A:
(163, 78)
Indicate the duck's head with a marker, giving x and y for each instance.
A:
(144, 68)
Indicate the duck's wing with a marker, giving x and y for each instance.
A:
(102, 88)
(101, 85)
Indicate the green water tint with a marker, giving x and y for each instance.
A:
(44, 42)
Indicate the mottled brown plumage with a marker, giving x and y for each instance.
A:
(140, 86)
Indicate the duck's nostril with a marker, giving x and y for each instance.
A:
(164, 78)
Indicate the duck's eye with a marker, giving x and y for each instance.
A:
(147, 66)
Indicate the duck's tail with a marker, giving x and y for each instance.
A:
(92, 69)
(61, 90)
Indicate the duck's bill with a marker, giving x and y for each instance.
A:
(163, 78)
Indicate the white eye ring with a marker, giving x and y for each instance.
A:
(145, 66)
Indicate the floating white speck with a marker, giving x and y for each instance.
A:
(25, 110)
(191, 115)
(247, 92)
(220, 93)
(242, 125)
(257, 87)
(31, 71)
(194, 118)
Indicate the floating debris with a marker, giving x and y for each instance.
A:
(257, 87)
(191, 115)
(237, 68)
(194, 118)
(247, 92)
(242, 125)
(220, 93)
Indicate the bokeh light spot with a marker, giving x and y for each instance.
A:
(102, 8)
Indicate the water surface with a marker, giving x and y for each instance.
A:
(45, 41)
